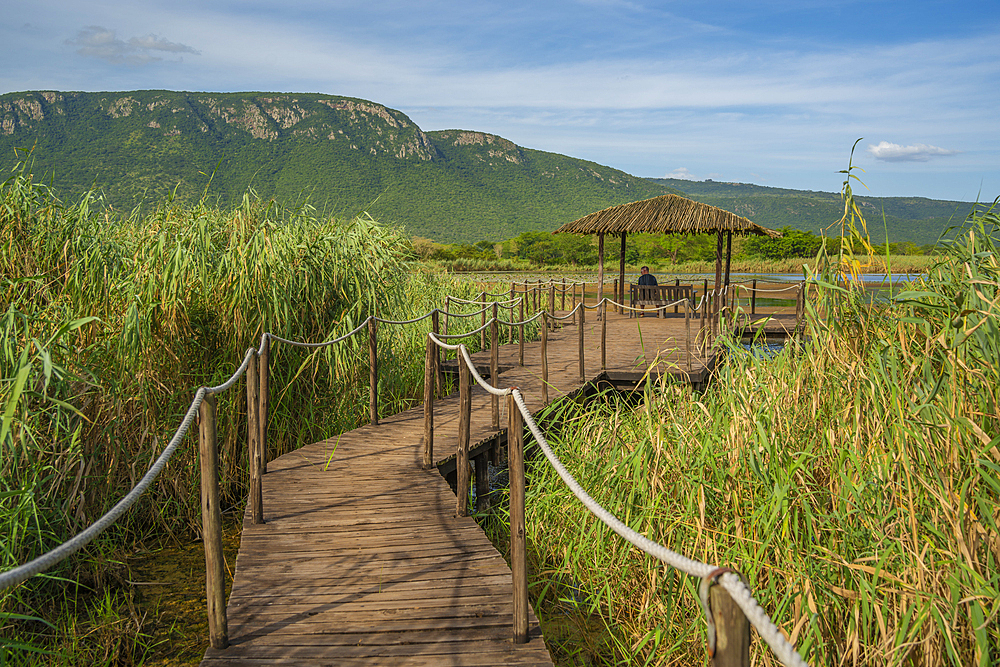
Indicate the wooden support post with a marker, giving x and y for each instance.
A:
(438, 376)
(520, 332)
(583, 303)
(732, 630)
(580, 337)
(621, 272)
(687, 334)
(545, 361)
(447, 304)
(253, 443)
(482, 483)
(617, 307)
(753, 298)
(482, 333)
(518, 543)
(510, 307)
(430, 377)
(574, 294)
(495, 367)
(564, 295)
(534, 296)
(677, 283)
(464, 420)
(600, 272)
(552, 304)
(372, 371)
(264, 397)
(604, 335)
(211, 525)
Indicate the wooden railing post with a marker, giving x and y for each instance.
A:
(464, 420)
(495, 367)
(438, 377)
(552, 304)
(732, 630)
(574, 294)
(604, 335)
(677, 283)
(253, 443)
(520, 332)
(430, 377)
(510, 307)
(482, 333)
(264, 396)
(687, 333)
(373, 370)
(753, 298)
(618, 298)
(564, 295)
(545, 360)
(447, 304)
(518, 549)
(211, 525)
(580, 337)
(583, 303)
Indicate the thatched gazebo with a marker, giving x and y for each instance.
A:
(666, 214)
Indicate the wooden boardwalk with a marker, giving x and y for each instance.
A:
(362, 559)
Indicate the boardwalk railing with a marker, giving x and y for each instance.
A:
(712, 308)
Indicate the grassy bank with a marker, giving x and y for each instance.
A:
(854, 482)
(109, 325)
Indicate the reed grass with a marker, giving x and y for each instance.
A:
(853, 479)
(111, 323)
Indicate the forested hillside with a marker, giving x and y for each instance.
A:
(339, 154)
(914, 219)
(343, 155)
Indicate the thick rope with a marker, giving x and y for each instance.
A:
(473, 314)
(527, 321)
(325, 343)
(413, 321)
(45, 561)
(740, 593)
(218, 389)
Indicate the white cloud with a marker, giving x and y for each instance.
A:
(681, 173)
(99, 42)
(888, 152)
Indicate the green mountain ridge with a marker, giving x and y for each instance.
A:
(915, 219)
(344, 155)
(341, 155)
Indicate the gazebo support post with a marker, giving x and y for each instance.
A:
(718, 273)
(621, 273)
(600, 272)
(729, 255)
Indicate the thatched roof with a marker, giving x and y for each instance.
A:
(666, 214)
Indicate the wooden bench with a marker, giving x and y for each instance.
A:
(658, 295)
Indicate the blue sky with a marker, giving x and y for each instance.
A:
(771, 93)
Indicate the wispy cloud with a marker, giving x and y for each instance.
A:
(99, 42)
(681, 173)
(888, 152)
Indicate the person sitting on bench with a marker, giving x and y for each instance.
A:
(646, 278)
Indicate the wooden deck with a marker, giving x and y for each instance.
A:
(362, 559)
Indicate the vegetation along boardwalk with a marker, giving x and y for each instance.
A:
(363, 558)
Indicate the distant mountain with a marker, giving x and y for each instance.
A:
(343, 155)
(915, 219)
(340, 154)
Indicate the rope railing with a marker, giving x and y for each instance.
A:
(734, 585)
(255, 366)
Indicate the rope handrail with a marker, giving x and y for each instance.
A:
(478, 312)
(324, 343)
(22, 573)
(527, 321)
(796, 286)
(469, 333)
(527, 283)
(412, 321)
(734, 585)
(508, 302)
